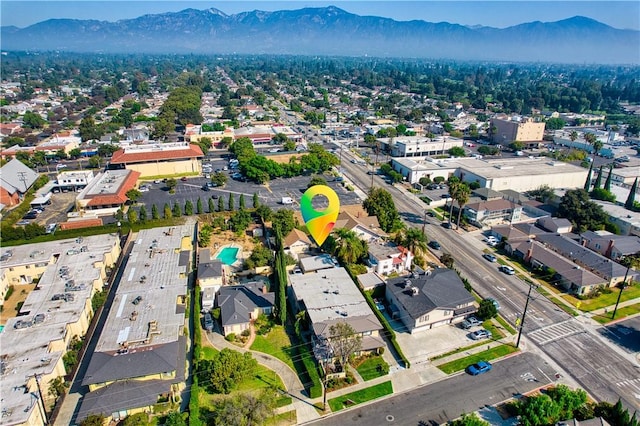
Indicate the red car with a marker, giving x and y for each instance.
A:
(183, 178)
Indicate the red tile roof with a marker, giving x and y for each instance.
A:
(120, 156)
(120, 196)
(77, 224)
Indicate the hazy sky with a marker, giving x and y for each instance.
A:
(618, 14)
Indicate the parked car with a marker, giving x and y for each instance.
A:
(490, 239)
(50, 228)
(183, 178)
(446, 225)
(208, 322)
(490, 257)
(507, 269)
(137, 300)
(434, 245)
(480, 334)
(479, 368)
(23, 222)
(430, 214)
(206, 188)
(470, 322)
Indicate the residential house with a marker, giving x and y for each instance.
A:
(15, 180)
(555, 224)
(567, 274)
(241, 304)
(431, 299)
(210, 278)
(492, 212)
(330, 297)
(611, 245)
(367, 228)
(388, 257)
(296, 243)
(612, 272)
(508, 233)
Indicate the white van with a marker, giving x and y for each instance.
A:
(287, 200)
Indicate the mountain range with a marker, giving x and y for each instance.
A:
(330, 31)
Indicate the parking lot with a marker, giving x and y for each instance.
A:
(270, 194)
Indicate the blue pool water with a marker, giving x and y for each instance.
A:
(1, 328)
(228, 255)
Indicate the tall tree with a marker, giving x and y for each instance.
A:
(350, 247)
(256, 200)
(631, 199)
(177, 212)
(573, 136)
(607, 182)
(199, 207)
(598, 182)
(280, 268)
(587, 183)
(241, 202)
(413, 239)
(344, 341)
(167, 211)
(231, 205)
(188, 208)
(462, 197)
(379, 203)
(143, 213)
(583, 213)
(212, 205)
(154, 212)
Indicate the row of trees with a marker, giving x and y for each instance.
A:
(260, 169)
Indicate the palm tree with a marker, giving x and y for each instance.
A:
(412, 239)
(594, 141)
(453, 194)
(573, 136)
(462, 197)
(350, 247)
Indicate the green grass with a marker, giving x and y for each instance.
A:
(496, 333)
(505, 325)
(286, 418)
(604, 300)
(208, 352)
(373, 367)
(363, 395)
(488, 355)
(275, 343)
(620, 313)
(457, 351)
(544, 290)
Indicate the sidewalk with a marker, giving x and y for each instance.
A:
(302, 405)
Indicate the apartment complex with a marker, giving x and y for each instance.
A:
(505, 131)
(68, 273)
(140, 355)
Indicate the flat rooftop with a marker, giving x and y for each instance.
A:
(108, 183)
(156, 271)
(509, 167)
(330, 294)
(25, 351)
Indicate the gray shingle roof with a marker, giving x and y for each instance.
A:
(238, 301)
(440, 289)
(12, 175)
(107, 367)
(120, 396)
(211, 269)
(595, 262)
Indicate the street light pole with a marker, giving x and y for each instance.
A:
(424, 223)
(524, 314)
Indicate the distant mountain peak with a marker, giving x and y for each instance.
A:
(330, 31)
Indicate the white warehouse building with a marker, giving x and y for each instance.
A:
(518, 174)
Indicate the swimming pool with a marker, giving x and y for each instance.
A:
(228, 255)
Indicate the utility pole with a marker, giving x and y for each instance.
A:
(36, 376)
(22, 177)
(622, 286)
(424, 223)
(524, 314)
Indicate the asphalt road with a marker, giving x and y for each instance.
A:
(448, 399)
(558, 334)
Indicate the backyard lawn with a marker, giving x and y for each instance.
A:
(488, 355)
(373, 367)
(275, 343)
(604, 300)
(363, 395)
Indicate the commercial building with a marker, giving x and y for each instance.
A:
(522, 129)
(139, 357)
(519, 174)
(74, 180)
(106, 193)
(415, 146)
(68, 273)
(159, 159)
